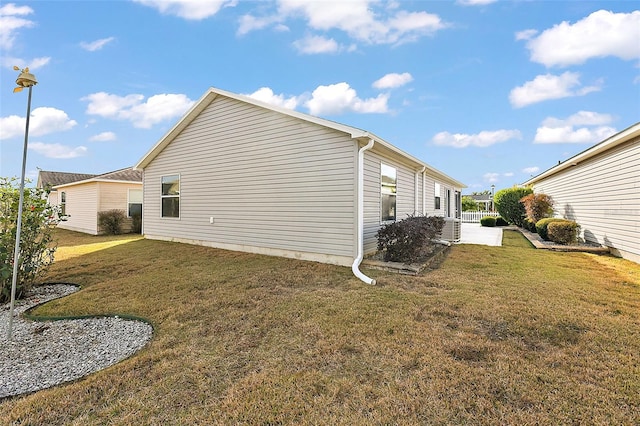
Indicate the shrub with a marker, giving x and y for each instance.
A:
(489, 221)
(563, 232)
(136, 224)
(507, 202)
(110, 221)
(542, 224)
(501, 222)
(537, 206)
(37, 246)
(529, 225)
(469, 204)
(409, 239)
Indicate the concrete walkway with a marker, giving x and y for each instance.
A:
(473, 233)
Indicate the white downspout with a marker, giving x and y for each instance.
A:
(415, 196)
(424, 193)
(360, 212)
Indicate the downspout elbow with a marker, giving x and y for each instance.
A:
(355, 267)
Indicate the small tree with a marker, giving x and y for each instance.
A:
(37, 247)
(469, 204)
(537, 206)
(507, 202)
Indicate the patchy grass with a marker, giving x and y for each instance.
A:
(496, 335)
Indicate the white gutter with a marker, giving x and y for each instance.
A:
(360, 212)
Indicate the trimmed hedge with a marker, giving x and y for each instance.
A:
(542, 224)
(501, 222)
(409, 239)
(563, 232)
(488, 221)
(529, 225)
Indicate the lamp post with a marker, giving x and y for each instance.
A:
(493, 207)
(25, 79)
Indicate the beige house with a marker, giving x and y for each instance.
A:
(81, 197)
(239, 174)
(600, 189)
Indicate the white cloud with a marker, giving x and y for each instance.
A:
(33, 65)
(248, 23)
(482, 139)
(601, 34)
(316, 44)
(475, 2)
(133, 108)
(531, 170)
(56, 150)
(569, 134)
(593, 128)
(103, 137)
(580, 118)
(526, 34)
(44, 120)
(357, 18)
(11, 21)
(549, 86)
(491, 177)
(507, 174)
(96, 45)
(393, 80)
(265, 94)
(188, 9)
(340, 97)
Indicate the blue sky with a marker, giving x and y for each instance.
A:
(489, 92)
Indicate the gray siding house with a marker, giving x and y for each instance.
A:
(600, 189)
(239, 174)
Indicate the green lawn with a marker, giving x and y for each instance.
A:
(496, 335)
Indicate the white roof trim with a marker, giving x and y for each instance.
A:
(81, 182)
(213, 92)
(609, 143)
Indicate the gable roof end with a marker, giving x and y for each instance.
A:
(127, 175)
(213, 92)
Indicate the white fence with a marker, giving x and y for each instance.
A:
(474, 217)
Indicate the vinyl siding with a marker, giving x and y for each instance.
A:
(603, 196)
(269, 181)
(405, 195)
(114, 196)
(81, 208)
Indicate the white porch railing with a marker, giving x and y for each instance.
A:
(474, 217)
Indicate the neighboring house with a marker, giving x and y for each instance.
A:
(239, 174)
(485, 201)
(81, 200)
(600, 189)
(49, 180)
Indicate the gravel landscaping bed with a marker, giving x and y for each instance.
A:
(45, 354)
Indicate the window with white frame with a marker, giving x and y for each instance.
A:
(436, 191)
(171, 196)
(134, 203)
(63, 203)
(388, 188)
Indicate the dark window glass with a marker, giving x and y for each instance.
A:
(388, 179)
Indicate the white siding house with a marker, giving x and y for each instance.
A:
(600, 189)
(239, 174)
(81, 200)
